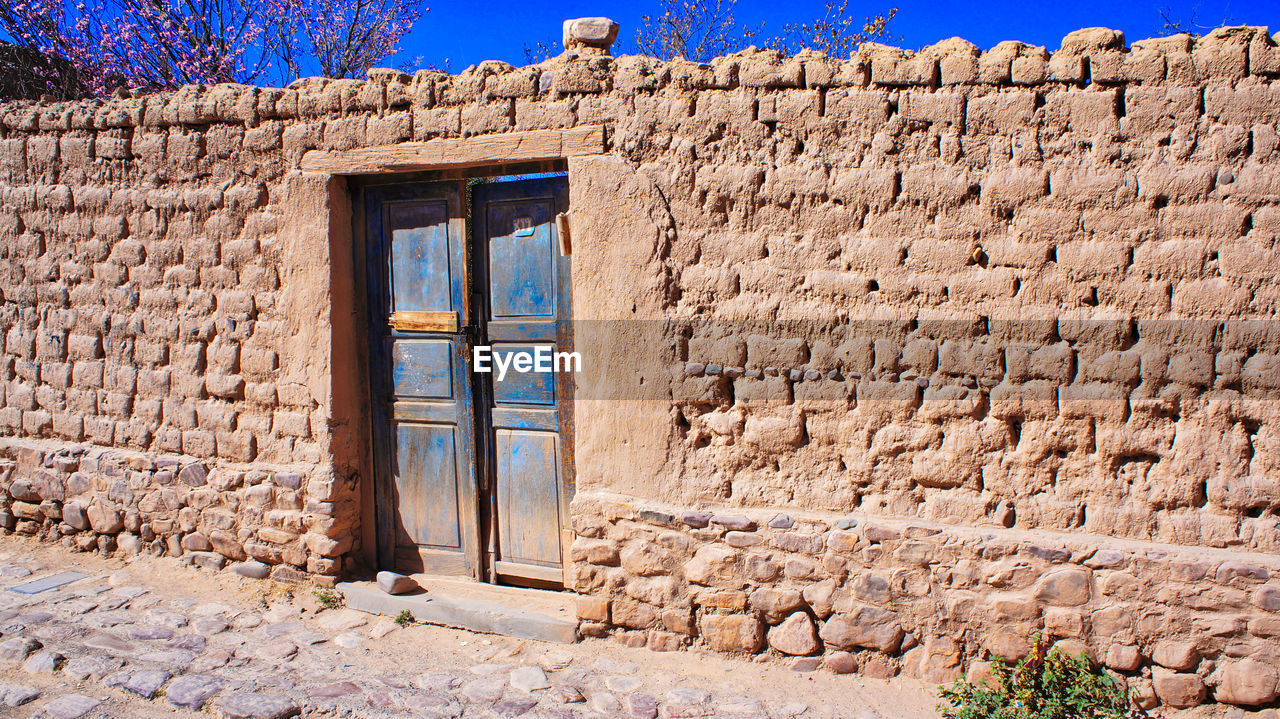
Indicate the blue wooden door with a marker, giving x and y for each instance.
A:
(472, 474)
(524, 283)
(427, 505)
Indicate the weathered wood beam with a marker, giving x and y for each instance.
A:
(458, 152)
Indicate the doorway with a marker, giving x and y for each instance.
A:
(473, 468)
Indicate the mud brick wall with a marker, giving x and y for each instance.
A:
(952, 346)
(166, 330)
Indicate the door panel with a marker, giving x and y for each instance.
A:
(427, 483)
(527, 286)
(528, 497)
(522, 258)
(523, 387)
(524, 417)
(421, 276)
(427, 504)
(422, 369)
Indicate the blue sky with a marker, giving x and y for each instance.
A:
(468, 32)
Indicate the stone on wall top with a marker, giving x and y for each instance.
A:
(587, 34)
(1093, 38)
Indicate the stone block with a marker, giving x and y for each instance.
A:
(795, 636)
(633, 614)
(1179, 691)
(776, 603)
(644, 559)
(105, 519)
(733, 632)
(596, 32)
(712, 563)
(1248, 682)
(1123, 658)
(863, 627)
(393, 583)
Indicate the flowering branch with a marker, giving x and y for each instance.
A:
(111, 45)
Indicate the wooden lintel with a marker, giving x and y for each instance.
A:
(424, 321)
(448, 152)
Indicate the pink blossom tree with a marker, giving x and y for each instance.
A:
(163, 44)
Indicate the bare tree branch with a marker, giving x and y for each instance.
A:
(699, 30)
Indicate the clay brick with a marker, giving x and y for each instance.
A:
(866, 108)
(1223, 55)
(1000, 112)
(937, 185)
(1086, 111)
(1031, 67)
(1014, 186)
(957, 61)
(531, 114)
(1184, 184)
(578, 78)
(867, 188)
(494, 117)
(1054, 362)
(943, 109)
(894, 67)
(766, 69)
(436, 122)
(1151, 109)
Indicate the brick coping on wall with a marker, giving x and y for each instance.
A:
(1098, 56)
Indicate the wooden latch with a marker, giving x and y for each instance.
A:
(424, 321)
(562, 233)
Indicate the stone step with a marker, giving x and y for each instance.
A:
(487, 608)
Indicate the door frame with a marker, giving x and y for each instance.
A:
(369, 253)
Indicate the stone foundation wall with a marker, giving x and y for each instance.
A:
(885, 596)
(980, 292)
(275, 519)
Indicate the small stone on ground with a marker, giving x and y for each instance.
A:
(71, 706)
(254, 705)
(146, 683)
(193, 690)
(13, 695)
(529, 678)
(393, 583)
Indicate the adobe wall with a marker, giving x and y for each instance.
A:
(951, 347)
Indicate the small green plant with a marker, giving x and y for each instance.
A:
(404, 618)
(327, 597)
(1044, 685)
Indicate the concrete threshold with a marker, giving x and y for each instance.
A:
(474, 606)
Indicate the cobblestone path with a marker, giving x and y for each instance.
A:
(152, 638)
